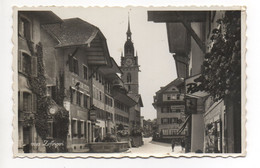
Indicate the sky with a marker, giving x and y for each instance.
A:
(150, 41)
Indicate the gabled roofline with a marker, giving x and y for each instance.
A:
(168, 85)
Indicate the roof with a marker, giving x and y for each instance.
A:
(176, 82)
(174, 16)
(45, 17)
(124, 98)
(137, 98)
(73, 32)
(76, 32)
(111, 70)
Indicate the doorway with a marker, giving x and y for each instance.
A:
(27, 139)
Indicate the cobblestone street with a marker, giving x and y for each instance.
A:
(151, 147)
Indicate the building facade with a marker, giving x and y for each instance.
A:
(29, 40)
(78, 55)
(210, 123)
(76, 75)
(170, 107)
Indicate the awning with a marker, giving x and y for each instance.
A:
(183, 125)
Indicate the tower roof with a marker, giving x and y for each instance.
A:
(128, 29)
(129, 46)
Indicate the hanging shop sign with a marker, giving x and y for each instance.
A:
(191, 105)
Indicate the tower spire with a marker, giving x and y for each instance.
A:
(128, 33)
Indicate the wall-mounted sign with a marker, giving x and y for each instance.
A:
(174, 107)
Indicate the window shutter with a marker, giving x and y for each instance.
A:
(34, 67)
(70, 64)
(34, 102)
(20, 27)
(77, 67)
(20, 61)
(85, 129)
(20, 100)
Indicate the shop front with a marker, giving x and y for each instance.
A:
(214, 132)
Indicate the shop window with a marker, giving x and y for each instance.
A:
(80, 129)
(74, 128)
(85, 72)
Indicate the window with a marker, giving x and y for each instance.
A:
(129, 88)
(97, 75)
(85, 101)
(169, 110)
(50, 129)
(173, 120)
(85, 72)
(74, 128)
(100, 96)
(164, 120)
(129, 78)
(168, 97)
(25, 28)
(108, 101)
(51, 91)
(178, 96)
(76, 68)
(80, 134)
(85, 129)
(78, 98)
(100, 78)
(72, 93)
(178, 110)
(27, 101)
(73, 65)
(26, 64)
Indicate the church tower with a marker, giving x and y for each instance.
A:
(129, 64)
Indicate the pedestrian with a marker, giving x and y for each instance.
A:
(182, 145)
(173, 145)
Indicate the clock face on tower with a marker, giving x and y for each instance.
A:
(128, 61)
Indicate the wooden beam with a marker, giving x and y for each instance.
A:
(187, 25)
(171, 16)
